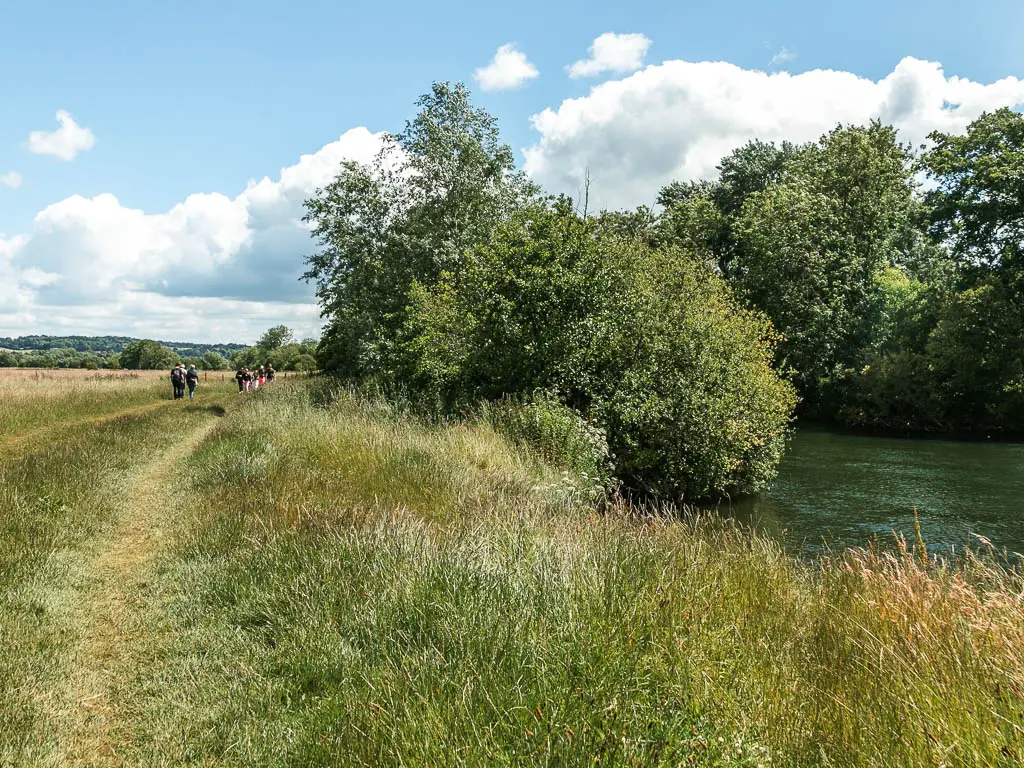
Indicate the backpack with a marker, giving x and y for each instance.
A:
(176, 377)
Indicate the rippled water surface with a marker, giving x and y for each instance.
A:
(842, 490)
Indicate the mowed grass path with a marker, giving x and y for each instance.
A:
(72, 495)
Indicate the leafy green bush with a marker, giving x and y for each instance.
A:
(650, 344)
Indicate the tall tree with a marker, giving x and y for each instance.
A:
(275, 338)
(701, 215)
(978, 205)
(812, 248)
(434, 191)
(148, 355)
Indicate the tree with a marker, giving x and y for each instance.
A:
(214, 362)
(811, 248)
(978, 205)
(650, 344)
(701, 215)
(148, 355)
(435, 190)
(275, 338)
(976, 357)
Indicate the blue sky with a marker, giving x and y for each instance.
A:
(202, 97)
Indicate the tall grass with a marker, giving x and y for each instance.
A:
(351, 587)
(27, 404)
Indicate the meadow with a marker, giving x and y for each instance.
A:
(308, 578)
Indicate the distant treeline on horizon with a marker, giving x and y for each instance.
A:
(277, 346)
(108, 344)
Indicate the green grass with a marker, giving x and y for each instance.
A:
(29, 405)
(58, 499)
(350, 587)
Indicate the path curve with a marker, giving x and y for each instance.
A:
(106, 654)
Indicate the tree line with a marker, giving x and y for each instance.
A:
(276, 346)
(850, 279)
(107, 345)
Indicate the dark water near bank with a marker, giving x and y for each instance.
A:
(842, 490)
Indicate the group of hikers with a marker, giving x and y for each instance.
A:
(182, 379)
(254, 379)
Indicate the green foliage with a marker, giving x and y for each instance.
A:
(104, 345)
(444, 277)
(213, 362)
(558, 433)
(812, 247)
(147, 354)
(701, 215)
(978, 206)
(436, 190)
(650, 344)
(277, 347)
(950, 351)
(275, 338)
(976, 355)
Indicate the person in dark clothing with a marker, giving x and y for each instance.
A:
(178, 381)
(241, 376)
(192, 381)
(270, 373)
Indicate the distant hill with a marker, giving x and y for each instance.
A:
(109, 345)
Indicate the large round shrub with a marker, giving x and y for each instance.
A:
(651, 344)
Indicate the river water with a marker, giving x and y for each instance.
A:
(837, 490)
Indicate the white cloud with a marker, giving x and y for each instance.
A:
(65, 142)
(677, 119)
(612, 52)
(217, 267)
(11, 179)
(212, 267)
(782, 57)
(508, 69)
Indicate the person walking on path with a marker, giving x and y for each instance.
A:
(192, 381)
(178, 381)
(241, 376)
(270, 373)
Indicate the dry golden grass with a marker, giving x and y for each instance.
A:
(79, 374)
(31, 400)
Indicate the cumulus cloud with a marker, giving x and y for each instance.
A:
(508, 69)
(65, 142)
(211, 265)
(217, 267)
(11, 179)
(612, 52)
(677, 119)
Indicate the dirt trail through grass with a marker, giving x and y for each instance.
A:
(112, 610)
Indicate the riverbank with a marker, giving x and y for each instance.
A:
(344, 585)
(356, 588)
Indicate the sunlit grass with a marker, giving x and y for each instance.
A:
(350, 587)
(30, 404)
(58, 499)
